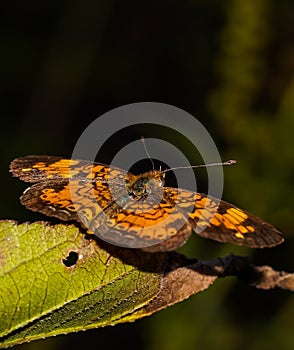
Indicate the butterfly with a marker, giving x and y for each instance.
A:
(135, 211)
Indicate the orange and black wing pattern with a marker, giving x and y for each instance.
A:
(95, 195)
(56, 180)
(223, 222)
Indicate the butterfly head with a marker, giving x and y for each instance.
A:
(147, 183)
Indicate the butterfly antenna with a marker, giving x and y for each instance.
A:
(228, 162)
(146, 151)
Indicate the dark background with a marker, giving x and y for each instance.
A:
(230, 64)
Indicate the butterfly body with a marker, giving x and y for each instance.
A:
(145, 184)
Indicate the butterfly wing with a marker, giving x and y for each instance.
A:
(54, 198)
(174, 242)
(145, 223)
(59, 182)
(223, 222)
(43, 168)
(95, 195)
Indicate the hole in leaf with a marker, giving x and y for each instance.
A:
(71, 259)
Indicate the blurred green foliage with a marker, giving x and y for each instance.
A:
(230, 64)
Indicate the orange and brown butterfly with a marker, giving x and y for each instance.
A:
(120, 213)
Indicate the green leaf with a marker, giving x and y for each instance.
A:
(54, 280)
